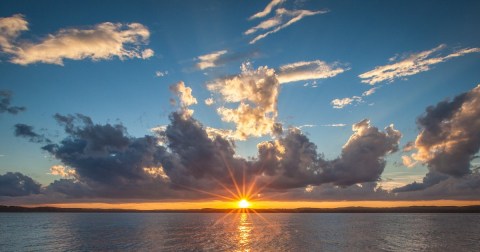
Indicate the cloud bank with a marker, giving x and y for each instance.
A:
(99, 42)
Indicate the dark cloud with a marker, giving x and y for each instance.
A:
(26, 131)
(449, 139)
(431, 179)
(450, 134)
(5, 99)
(17, 184)
(110, 163)
(294, 161)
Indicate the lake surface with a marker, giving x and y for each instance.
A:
(239, 232)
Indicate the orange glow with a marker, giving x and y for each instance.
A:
(257, 204)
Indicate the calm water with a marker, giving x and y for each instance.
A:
(238, 232)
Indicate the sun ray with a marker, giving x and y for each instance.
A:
(231, 176)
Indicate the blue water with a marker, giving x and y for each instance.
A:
(238, 232)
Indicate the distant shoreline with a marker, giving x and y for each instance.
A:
(412, 209)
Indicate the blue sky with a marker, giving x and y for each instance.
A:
(353, 37)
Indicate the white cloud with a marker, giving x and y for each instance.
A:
(282, 19)
(161, 74)
(370, 91)
(334, 125)
(10, 29)
(185, 97)
(256, 93)
(147, 53)
(411, 65)
(308, 70)
(267, 9)
(63, 171)
(341, 103)
(209, 60)
(100, 42)
(209, 101)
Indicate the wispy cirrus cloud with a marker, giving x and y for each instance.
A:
(267, 9)
(99, 42)
(282, 19)
(412, 64)
(340, 103)
(210, 60)
(309, 70)
(334, 125)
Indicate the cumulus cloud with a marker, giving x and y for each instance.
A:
(256, 93)
(448, 141)
(294, 162)
(308, 70)
(267, 9)
(185, 97)
(100, 42)
(282, 19)
(62, 171)
(210, 60)
(450, 134)
(412, 64)
(5, 100)
(16, 184)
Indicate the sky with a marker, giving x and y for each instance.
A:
(180, 104)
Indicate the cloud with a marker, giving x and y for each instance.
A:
(448, 141)
(100, 42)
(341, 103)
(450, 134)
(209, 101)
(308, 70)
(210, 60)
(412, 64)
(185, 97)
(334, 125)
(282, 19)
(294, 162)
(256, 93)
(362, 157)
(5, 99)
(17, 184)
(161, 74)
(62, 171)
(267, 9)
(26, 131)
(10, 29)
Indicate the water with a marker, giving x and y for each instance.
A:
(238, 232)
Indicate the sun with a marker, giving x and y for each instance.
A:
(243, 203)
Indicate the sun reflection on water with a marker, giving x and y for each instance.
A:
(244, 232)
